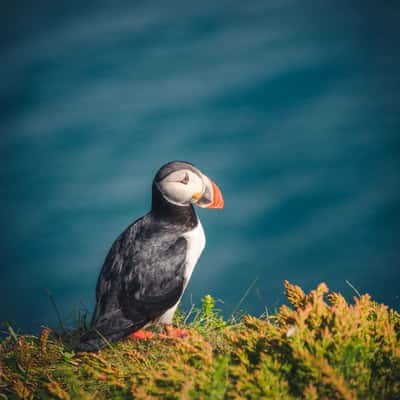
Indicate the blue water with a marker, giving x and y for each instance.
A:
(291, 108)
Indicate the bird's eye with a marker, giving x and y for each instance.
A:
(185, 180)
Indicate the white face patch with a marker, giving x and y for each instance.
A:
(179, 186)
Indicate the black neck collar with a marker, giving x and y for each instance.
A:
(172, 213)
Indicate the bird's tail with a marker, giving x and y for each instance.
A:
(94, 339)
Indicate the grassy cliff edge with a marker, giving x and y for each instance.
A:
(320, 347)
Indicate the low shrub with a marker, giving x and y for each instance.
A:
(319, 347)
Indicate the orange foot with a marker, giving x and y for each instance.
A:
(141, 335)
(171, 332)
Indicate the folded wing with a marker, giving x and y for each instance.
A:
(142, 277)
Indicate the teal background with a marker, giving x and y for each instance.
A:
(291, 107)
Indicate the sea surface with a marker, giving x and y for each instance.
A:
(291, 107)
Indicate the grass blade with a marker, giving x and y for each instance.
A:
(243, 298)
(52, 301)
(12, 332)
(354, 288)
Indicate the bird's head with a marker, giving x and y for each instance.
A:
(181, 183)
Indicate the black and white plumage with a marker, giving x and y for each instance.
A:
(149, 265)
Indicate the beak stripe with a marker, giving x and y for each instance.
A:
(218, 200)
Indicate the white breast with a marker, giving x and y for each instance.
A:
(196, 241)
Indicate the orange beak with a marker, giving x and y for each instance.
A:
(211, 196)
(217, 200)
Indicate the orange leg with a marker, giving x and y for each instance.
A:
(171, 332)
(141, 334)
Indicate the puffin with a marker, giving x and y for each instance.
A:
(149, 265)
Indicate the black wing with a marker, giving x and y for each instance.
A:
(142, 277)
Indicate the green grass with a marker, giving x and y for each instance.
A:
(320, 347)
